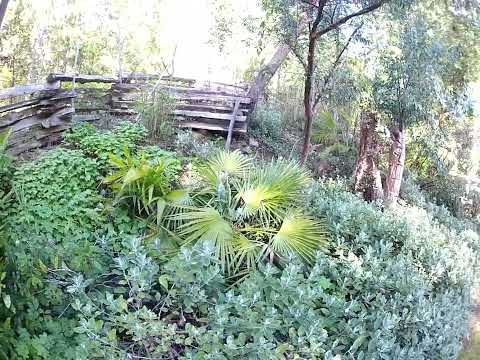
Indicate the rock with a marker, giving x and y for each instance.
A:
(253, 142)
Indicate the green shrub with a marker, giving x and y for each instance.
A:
(420, 275)
(155, 110)
(87, 280)
(267, 123)
(87, 138)
(145, 184)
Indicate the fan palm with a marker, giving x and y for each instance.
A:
(250, 213)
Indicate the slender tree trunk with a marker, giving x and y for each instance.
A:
(393, 181)
(308, 100)
(368, 181)
(3, 10)
(265, 74)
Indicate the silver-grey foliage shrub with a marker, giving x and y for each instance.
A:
(397, 287)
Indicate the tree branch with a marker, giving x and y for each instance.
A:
(343, 20)
(321, 6)
(335, 65)
(299, 57)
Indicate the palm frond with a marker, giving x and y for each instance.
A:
(300, 235)
(225, 164)
(233, 163)
(247, 252)
(269, 191)
(206, 224)
(325, 128)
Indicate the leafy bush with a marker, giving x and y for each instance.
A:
(267, 123)
(146, 184)
(87, 138)
(419, 275)
(87, 280)
(5, 163)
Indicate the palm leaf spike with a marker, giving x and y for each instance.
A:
(247, 252)
(300, 235)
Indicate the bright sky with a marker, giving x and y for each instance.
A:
(188, 28)
(185, 25)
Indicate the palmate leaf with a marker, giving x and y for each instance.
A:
(270, 191)
(225, 164)
(247, 252)
(233, 163)
(206, 224)
(300, 235)
(325, 128)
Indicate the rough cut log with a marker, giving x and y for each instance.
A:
(81, 79)
(176, 90)
(19, 105)
(173, 79)
(58, 118)
(213, 98)
(47, 110)
(27, 89)
(13, 117)
(85, 118)
(26, 123)
(209, 115)
(207, 107)
(64, 95)
(36, 144)
(211, 127)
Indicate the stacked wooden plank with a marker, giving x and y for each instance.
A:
(38, 120)
(37, 114)
(208, 106)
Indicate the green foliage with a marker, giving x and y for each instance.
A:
(250, 213)
(146, 184)
(155, 109)
(87, 138)
(267, 123)
(85, 282)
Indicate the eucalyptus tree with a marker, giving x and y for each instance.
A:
(301, 24)
(421, 77)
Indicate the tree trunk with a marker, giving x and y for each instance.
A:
(3, 10)
(393, 181)
(265, 74)
(308, 100)
(368, 181)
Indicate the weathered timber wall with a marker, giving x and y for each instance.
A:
(38, 114)
(37, 121)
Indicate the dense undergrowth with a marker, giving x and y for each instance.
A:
(105, 258)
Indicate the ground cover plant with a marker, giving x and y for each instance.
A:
(113, 259)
